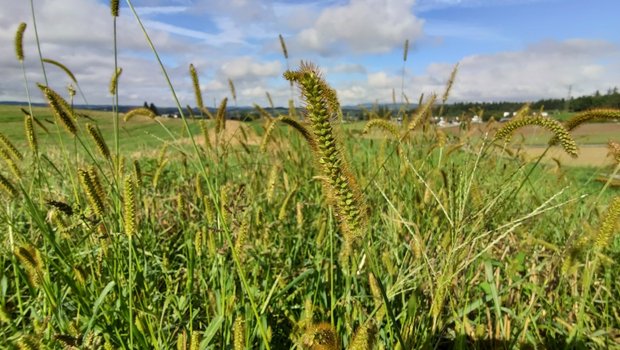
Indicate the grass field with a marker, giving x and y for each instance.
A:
(304, 234)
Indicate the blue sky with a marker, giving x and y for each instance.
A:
(515, 50)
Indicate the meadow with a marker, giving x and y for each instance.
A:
(131, 231)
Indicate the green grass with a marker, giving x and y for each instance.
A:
(469, 249)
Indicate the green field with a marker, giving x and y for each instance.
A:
(308, 234)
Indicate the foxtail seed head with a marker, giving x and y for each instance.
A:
(405, 50)
(114, 6)
(233, 92)
(220, 119)
(365, 337)
(421, 112)
(62, 67)
(7, 187)
(62, 111)
(30, 258)
(341, 187)
(95, 134)
(561, 134)
(321, 336)
(93, 194)
(609, 226)
(114, 80)
(382, 124)
(239, 334)
(139, 111)
(19, 41)
(129, 207)
(10, 147)
(193, 73)
(4, 155)
(283, 46)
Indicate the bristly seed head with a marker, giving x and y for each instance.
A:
(114, 6)
(19, 41)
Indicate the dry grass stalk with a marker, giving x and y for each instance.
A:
(614, 150)
(19, 41)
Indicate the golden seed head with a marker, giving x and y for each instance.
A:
(114, 81)
(423, 110)
(239, 334)
(19, 41)
(194, 75)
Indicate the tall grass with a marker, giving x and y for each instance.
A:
(322, 238)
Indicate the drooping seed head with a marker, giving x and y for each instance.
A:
(561, 134)
(62, 67)
(62, 111)
(139, 111)
(7, 187)
(10, 147)
(382, 124)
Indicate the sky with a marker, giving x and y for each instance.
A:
(507, 50)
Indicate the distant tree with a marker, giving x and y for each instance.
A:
(153, 108)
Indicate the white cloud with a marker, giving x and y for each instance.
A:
(248, 69)
(362, 26)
